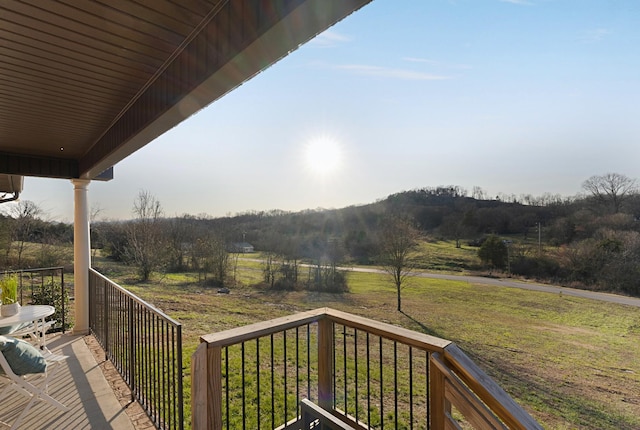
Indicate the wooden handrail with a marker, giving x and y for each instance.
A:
(459, 395)
(264, 328)
(388, 331)
(486, 389)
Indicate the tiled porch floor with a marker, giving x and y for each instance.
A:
(80, 384)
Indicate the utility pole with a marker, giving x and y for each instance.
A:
(539, 240)
(508, 243)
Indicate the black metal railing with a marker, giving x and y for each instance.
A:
(379, 381)
(45, 286)
(144, 344)
(264, 379)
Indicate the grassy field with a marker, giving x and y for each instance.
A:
(572, 363)
(443, 256)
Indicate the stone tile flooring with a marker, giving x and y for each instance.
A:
(139, 418)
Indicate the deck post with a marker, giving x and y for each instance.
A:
(206, 388)
(437, 403)
(325, 363)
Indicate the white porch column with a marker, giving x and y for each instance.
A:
(81, 254)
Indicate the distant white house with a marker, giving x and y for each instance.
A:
(243, 247)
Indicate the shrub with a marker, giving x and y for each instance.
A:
(535, 267)
(493, 252)
(327, 279)
(51, 294)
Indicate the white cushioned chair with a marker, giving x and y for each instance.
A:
(28, 372)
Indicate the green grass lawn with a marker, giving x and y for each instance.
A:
(443, 256)
(572, 363)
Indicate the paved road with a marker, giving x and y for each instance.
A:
(606, 297)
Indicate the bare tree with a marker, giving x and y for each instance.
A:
(611, 190)
(457, 226)
(398, 240)
(96, 232)
(114, 238)
(26, 215)
(6, 227)
(270, 268)
(181, 235)
(51, 252)
(146, 243)
(290, 250)
(478, 193)
(209, 255)
(219, 260)
(199, 257)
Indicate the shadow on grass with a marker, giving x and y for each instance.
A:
(553, 398)
(423, 328)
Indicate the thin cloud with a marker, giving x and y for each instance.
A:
(436, 63)
(595, 35)
(385, 72)
(330, 38)
(421, 60)
(519, 2)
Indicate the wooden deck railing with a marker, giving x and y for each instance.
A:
(363, 373)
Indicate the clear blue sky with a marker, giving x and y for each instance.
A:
(514, 96)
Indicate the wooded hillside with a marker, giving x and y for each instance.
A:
(589, 241)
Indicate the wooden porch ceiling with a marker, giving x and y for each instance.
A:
(83, 84)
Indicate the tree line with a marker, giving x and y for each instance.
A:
(590, 240)
(24, 223)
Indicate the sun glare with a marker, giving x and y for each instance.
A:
(323, 155)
